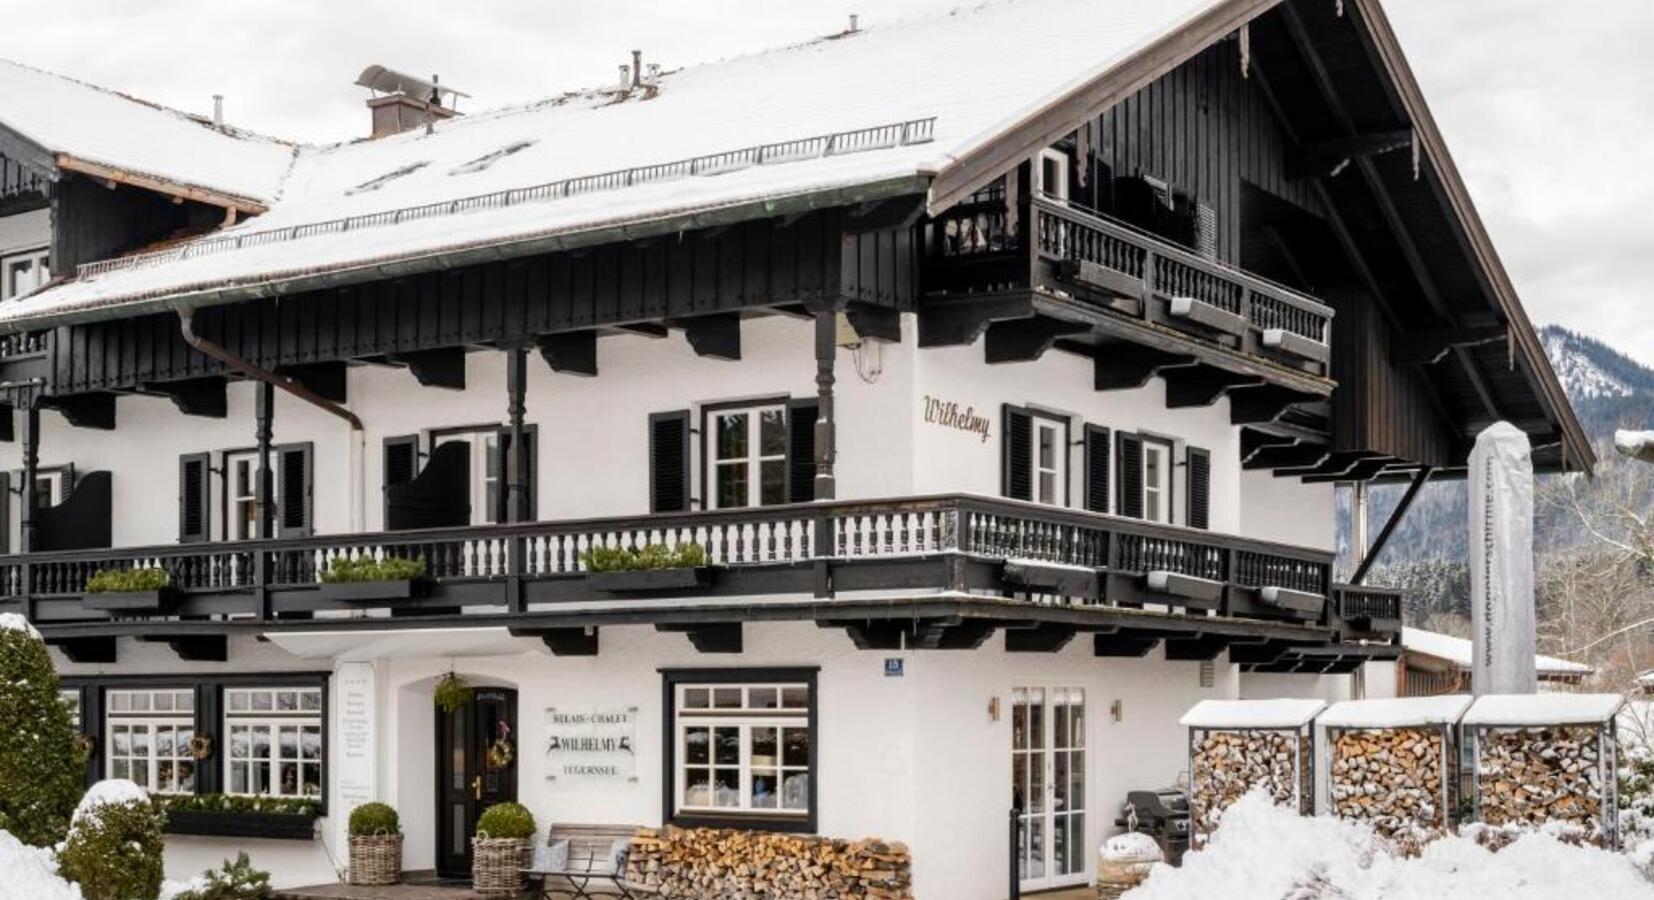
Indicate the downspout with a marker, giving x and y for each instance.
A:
(358, 443)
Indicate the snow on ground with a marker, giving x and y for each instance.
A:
(110, 792)
(30, 873)
(1265, 852)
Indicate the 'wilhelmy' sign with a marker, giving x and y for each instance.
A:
(591, 743)
(949, 414)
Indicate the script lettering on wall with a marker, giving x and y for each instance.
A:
(591, 742)
(948, 414)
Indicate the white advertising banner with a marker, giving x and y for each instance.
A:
(1501, 562)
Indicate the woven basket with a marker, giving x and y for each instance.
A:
(497, 865)
(375, 858)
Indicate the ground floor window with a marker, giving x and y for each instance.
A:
(273, 741)
(743, 747)
(150, 732)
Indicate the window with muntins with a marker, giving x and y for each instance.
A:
(748, 454)
(1157, 481)
(273, 743)
(149, 739)
(23, 273)
(743, 749)
(241, 495)
(1050, 455)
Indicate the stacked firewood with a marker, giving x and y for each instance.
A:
(1228, 764)
(716, 864)
(1530, 776)
(1392, 779)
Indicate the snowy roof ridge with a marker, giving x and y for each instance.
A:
(1543, 709)
(1244, 714)
(1459, 651)
(1399, 712)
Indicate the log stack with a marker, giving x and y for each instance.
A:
(1393, 779)
(1228, 764)
(1529, 776)
(727, 864)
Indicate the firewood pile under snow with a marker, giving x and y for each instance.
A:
(1391, 765)
(1546, 759)
(1237, 746)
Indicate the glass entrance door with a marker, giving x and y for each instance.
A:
(1048, 784)
(472, 771)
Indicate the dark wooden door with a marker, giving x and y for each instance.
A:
(468, 780)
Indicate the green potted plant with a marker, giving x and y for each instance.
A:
(655, 567)
(136, 590)
(501, 850)
(367, 578)
(375, 845)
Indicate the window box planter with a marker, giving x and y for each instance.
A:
(370, 591)
(647, 580)
(155, 601)
(278, 826)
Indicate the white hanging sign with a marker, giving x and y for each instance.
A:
(591, 742)
(1501, 562)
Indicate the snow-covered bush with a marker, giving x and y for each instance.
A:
(235, 880)
(115, 844)
(41, 769)
(1636, 789)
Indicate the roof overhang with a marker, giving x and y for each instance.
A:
(112, 175)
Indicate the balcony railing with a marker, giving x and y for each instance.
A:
(1107, 263)
(1227, 574)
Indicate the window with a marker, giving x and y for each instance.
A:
(50, 487)
(149, 739)
(1157, 481)
(743, 746)
(1053, 174)
(241, 495)
(273, 741)
(1050, 461)
(71, 699)
(749, 456)
(23, 273)
(487, 470)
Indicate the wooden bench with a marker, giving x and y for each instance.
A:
(589, 870)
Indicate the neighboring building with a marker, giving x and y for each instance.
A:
(1432, 664)
(1004, 364)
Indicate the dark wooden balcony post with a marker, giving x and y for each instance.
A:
(31, 466)
(264, 432)
(825, 432)
(516, 470)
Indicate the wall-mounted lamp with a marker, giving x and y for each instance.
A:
(1114, 710)
(993, 709)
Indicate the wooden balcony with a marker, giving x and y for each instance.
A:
(933, 558)
(1085, 280)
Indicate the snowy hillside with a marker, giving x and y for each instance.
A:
(1590, 369)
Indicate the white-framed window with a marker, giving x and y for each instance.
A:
(71, 699)
(1052, 174)
(23, 273)
(742, 749)
(273, 741)
(1049, 452)
(241, 494)
(1157, 481)
(487, 485)
(747, 450)
(149, 738)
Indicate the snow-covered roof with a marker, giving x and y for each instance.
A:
(905, 72)
(1459, 652)
(1239, 714)
(1400, 712)
(1543, 709)
(63, 116)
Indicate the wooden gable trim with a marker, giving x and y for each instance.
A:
(1002, 151)
(242, 205)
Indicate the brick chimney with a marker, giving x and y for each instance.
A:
(402, 102)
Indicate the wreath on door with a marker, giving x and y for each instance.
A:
(201, 746)
(502, 751)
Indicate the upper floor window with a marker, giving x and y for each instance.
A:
(241, 494)
(485, 471)
(1157, 481)
(1035, 455)
(22, 273)
(1052, 174)
(748, 455)
(274, 741)
(150, 732)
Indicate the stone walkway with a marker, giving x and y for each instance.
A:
(435, 890)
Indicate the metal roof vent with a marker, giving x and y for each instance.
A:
(401, 101)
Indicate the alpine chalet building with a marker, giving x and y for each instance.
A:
(988, 378)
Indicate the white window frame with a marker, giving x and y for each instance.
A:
(235, 500)
(38, 260)
(746, 718)
(1058, 159)
(261, 707)
(50, 486)
(1162, 490)
(144, 713)
(1057, 427)
(486, 487)
(754, 460)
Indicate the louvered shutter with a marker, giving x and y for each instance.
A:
(1096, 468)
(1200, 488)
(194, 498)
(295, 490)
(801, 450)
(401, 459)
(669, 461)
(1017, 478)
(1131, 475)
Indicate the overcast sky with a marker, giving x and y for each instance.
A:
(1548, 105)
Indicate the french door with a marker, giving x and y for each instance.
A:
(1048, 783)
(476, 768)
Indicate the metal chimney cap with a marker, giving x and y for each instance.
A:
(389, 81)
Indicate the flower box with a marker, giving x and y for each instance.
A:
(158, 600)
(209, 823)
(369, 591)
(646, 580)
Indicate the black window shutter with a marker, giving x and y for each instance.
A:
(194, 497)
(1200, 488)
(1017, 477)
(401, 466)
(295, 475)
(1131, 475)
(669, 461)
(5, 512)
(1096, 468)
(801, 449)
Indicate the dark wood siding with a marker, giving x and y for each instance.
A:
(1379, 407)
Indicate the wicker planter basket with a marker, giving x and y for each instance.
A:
(497, 865)
(375, 858)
